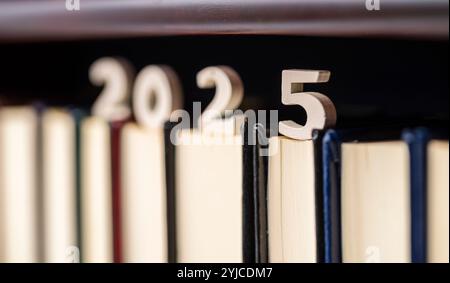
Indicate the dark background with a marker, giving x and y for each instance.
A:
(373, 81)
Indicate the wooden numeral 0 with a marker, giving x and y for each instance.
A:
(156, 94)
(320, 110)
(228, 95)
(116, 75)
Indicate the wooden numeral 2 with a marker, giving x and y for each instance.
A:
(116, 75)
(228, 96)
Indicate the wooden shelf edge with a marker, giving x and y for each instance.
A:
(49, 20)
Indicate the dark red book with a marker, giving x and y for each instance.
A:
(116, 128)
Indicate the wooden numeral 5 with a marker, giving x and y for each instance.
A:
(320, 110)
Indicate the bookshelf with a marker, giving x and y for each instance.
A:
(389, 68)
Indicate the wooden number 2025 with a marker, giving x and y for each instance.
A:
(157, 93)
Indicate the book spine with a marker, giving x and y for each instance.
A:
(331, 159)
(417, 140)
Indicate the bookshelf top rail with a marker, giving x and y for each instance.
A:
(25, 20)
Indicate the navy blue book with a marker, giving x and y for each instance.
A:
(395, 194)
(417, 140)
(331, 196)
(331, 167)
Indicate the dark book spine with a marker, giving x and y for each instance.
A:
(260, 164)
(417, 141)
(318, 136)
(116, 129)
(248, 201)
(78, 116)
(170, 193)
(331, 159)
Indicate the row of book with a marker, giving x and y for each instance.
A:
(77, 188)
